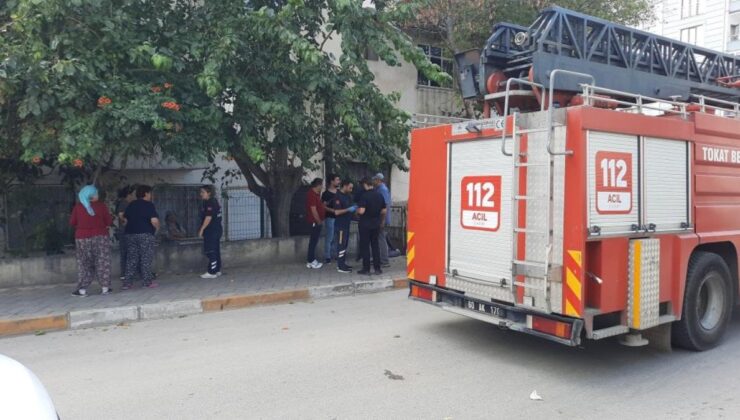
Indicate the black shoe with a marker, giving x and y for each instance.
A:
(79, 293)
(348, 267)
(344, 269)
(364, 272)
(378, 271)
(386, 265)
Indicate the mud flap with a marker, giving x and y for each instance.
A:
(659, 337)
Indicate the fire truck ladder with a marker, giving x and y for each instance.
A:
(535, 272)
(623, 59)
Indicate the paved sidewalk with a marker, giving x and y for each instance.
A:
(236, 288)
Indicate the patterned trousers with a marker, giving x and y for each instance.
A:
(139, 258)
(93, 261)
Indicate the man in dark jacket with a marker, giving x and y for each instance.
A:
(372, 210)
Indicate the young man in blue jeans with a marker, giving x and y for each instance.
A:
(330, 241)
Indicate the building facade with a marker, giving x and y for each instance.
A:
(713, 24)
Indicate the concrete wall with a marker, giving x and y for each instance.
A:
(181, 258)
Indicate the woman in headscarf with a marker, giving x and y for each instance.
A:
(91, 220)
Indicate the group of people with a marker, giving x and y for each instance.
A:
(137, 226)
(334, 210)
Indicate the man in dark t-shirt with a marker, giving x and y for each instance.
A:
(142, 222)
(372, 210)
(343, 209)
(126, 195)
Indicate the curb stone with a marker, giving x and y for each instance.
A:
(170, 309)
(29, 325)
(371, 286)
(243, 301)
(105, 316)
(342, 289)
(108, 316)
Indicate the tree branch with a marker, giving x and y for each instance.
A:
(254, 173)
(321, 47)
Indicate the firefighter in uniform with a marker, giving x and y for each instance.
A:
(343, 209)
(211, 231)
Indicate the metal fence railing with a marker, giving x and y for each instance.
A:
(245, 215)
(396, 231)
(36, 218)
(182, 202)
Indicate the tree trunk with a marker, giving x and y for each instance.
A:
(279, 208)
(276, 185)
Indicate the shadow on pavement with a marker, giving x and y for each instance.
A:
(606, 359)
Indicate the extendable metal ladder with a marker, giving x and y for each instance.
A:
(536, 165)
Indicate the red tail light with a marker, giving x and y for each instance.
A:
(549, 326)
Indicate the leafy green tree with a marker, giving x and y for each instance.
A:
(459, 25)
(82, 83)
(293, 100)
(88, 82)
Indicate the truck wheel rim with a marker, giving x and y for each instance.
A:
(709, 302)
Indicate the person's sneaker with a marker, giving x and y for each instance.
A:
(364, 272)
(378, 272)
(106, 291)
(219, 274)
(80, 293)
(151, 285)
(344, 269)
(209, 276)
(314, 264)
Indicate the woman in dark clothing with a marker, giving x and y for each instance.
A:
(91, 220)
(125, 196)
(211, 231)
(142, 223)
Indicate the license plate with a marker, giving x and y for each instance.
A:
(485, 308)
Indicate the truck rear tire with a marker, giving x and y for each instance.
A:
(707, 303)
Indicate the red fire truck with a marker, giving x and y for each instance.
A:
(600, 194)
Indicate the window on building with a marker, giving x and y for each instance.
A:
(734, 32)
(370, 54)
(690, 35)
(436, 56)
(689, 8)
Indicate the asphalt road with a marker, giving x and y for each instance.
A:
(372, 356)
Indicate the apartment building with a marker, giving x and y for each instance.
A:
(713, 24)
